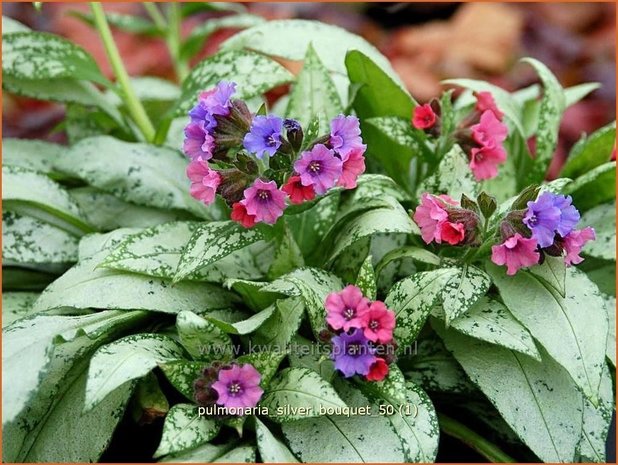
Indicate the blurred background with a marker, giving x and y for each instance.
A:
(426, 42)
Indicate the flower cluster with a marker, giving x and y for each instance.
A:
(231, 386)
(260, 164)
(442, 219)
(546, 227)
(481, 134)
(361, 333)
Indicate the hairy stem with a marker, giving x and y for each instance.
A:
(134, 106)
(459, 431)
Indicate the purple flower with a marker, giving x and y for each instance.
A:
(198, 142)
(238, 386)
(319, 168)
(215, 101)
(264, 201)
(264, 136)
(548, 214)
(352, 353)
(345, 135)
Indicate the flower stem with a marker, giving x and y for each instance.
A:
(173, 41)
(134, 106)
(459, 431)
(155, 15)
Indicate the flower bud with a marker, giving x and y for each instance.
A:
(469, 219)
(233, 183)
(294, 133)
(232, 128)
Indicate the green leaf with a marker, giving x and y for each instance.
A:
(314, 94)
(107, 212)
(306, 354)
(123, 22)
(40, 55)
(276, 332)
(462, 290)
(552, 107)
(182, 374)
(36, 155)
(28, 241)
(252, 294)
(288, 255)
(197, 334)
(453, 177)
(553, 273)
(211, 242)
(91, 244)
(211, 453)
(538, 400)
(366, 279)
(298, 388)
(312, 285)
(149, 401)
(29, 192)
(415, 253)
(596, 423)
(86, 286)
(595, 187)
(272, 450)
(412, 299)
(193, 44)
(610, 306)
(290, 39)
(603, 219)
(574, 94)
(244, 326)
(157, 251)
(590, 152)
(11, 26)
(254, 73)
(135, 172)
(16, 305)
(341, 438)
(490, 321)
(124, 360)
(184, 429)
(575, 339)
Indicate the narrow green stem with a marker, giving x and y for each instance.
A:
(459, 431)
(155, 15)
(134, 106)
(174, 41)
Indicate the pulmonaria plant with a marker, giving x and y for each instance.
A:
(260, 164)
(481, 134)
(361, 334)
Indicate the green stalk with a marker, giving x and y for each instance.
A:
(459, 431)
(135, 107)
(155, 15)
(174, 41)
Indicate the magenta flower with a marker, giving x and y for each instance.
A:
(345, 135)
(548, 214)
(215, 101)
(490, 131)
(429, 215)
(378, 323)
(198, 142)
(264, 201)
(264, 136)
(423, 117)
(345, 309)
(353, 166)
(238, 386)
(484, 161)
(516, 252)
(204, 181)
(319, 168)
(485, 101)
(574, 242)
(352, 353)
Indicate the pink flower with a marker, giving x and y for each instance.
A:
(353, 167)
(490, 131)
(345, 308)
(424, 117)
(198, 142)
(378, 370)
(238, 386)
(573, 243)
(297, 192)
(378, 323)
(204, 181)
(264, 201)
(319, 168)
(429, 215)
(452, 233)
(516, 252)
(484, 161)
(240, 215)
(485, 101)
